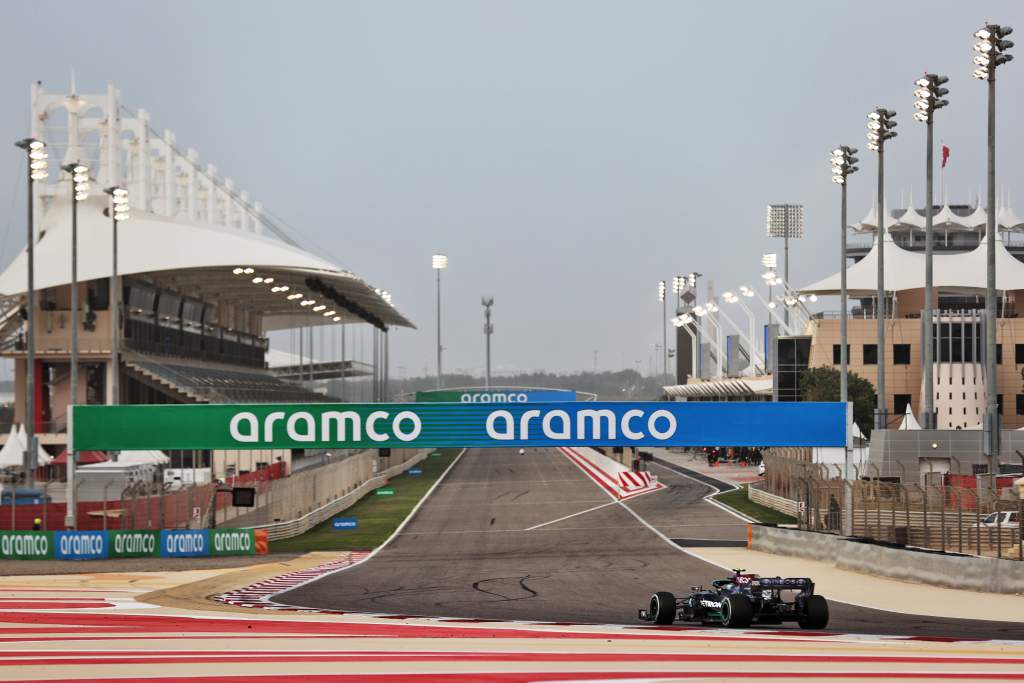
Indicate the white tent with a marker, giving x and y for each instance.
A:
(42, 457)
(11, 454)
(910, 422)
(143, 457)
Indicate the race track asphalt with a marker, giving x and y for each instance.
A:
(471, 552)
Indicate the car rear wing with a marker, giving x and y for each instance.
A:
(779, 583)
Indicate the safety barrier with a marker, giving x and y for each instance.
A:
(986, 574)
(96, 545)
(770, 500)
(294, 527)
(939, 513)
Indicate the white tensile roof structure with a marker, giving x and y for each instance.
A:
(904, 270)
(945, 217)
(189, 227)
(195, 259)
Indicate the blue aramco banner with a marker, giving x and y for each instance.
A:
(184, 543)
(495, 395)
(434, 425)
(80, 545)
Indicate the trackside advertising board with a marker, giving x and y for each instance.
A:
(134, 543)
(437, 425)
(495, 395)
(232, 542)
(26, 545)
(184, 543)
(80, 545)
(94, 545)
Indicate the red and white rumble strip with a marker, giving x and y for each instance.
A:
(616, 479)
(259, 594)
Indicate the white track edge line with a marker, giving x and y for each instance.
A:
(575, 514)
(269, 598)
(708, 498)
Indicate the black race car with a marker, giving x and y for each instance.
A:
(742, 600)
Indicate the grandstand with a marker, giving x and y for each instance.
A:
(204, 276)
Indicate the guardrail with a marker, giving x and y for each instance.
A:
(294, 527)
(770, 500)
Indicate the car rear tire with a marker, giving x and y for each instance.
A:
(815, 613)
(737, 611)
(663, 608)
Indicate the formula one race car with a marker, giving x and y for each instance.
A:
(742, 600)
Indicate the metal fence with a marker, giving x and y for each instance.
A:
(940, 514)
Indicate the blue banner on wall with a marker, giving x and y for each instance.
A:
(80, 545)
(184, 543)
(345, 523)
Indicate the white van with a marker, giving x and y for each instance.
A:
(1010, 520)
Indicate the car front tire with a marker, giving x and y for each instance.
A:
(663, 608)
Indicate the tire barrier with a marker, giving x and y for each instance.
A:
(96, 545)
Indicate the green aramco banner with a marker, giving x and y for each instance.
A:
(466, 425)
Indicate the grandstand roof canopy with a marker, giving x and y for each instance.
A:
(198, 260)
(904, 270)
(722, 388)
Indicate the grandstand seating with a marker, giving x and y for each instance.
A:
(217, 385)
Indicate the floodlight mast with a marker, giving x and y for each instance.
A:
(79, 175)
(928, 94)
(487, 302)
(37, 155)
(880, 128)
(439, 262)
(785, 220)
(991, 48)
(844, 163)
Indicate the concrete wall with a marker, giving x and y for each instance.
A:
(308, 490)
(891, 448)
(985, 574)
(357, 488)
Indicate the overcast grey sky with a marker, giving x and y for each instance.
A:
(565, 155)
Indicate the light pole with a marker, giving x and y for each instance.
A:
(439, 262)
(991, 48)
(880, 129)
(487, 302)
(37, 170)
(79, 192)
(786, 221)
(662, 288)
(929, 98)
(118, 211)
(843, 164)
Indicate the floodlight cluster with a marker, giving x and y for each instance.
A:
(880, 128)
(928, 96)
(991, 50)
(843, 164)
